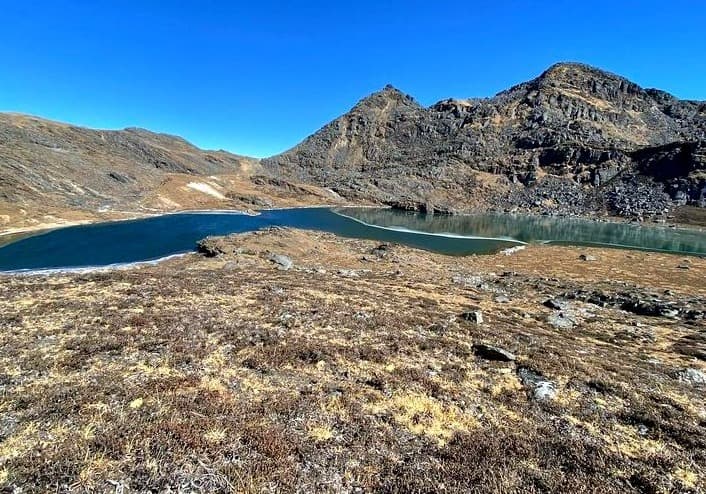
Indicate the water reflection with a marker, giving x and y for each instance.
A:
(152, 238)
(539, 229)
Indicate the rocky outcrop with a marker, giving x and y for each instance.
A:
(680, 166)
(558, 143)
(644, 303)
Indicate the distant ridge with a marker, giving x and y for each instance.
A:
(575, 140)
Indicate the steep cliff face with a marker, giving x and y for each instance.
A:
(680, 166)
(573, 121)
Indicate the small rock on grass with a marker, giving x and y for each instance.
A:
(692, 376)
(475, 316)
(538, 387)
(382, 250)
(490, 352)
(560, 320)
(348, 273)
(283, 262)
(554, 304)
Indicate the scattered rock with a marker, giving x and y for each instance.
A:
(644, 303)
(288, 320)
(476, 281)
(587, 257)
(283, 262)
(512, 250)
(538, 387)
(209, 247)
(348, 273)
(276, 290)
(382, 251)
(120, 177)
(475, 316)
(692, 376)
(554, 304)
(502, 299)
(362, 315)
(561, 320)
(490, 352)
(8, 425)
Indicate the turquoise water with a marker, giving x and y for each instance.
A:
(555, 230)
(157, 237)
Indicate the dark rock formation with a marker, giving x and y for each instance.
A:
(210, 247)
(644, 303)
(490, 352)
(572, 141)
(474, 316)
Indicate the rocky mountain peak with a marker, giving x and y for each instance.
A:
(573, 122)
(574, 81)
(387, 97)
(569, 70)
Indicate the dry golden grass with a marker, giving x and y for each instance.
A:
(228, 375)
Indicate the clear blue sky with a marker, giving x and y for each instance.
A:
(257, 77)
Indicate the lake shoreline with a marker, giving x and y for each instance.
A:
(114, 242)
(50, 226)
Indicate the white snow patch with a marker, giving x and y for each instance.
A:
(206, 189)
(512, 250)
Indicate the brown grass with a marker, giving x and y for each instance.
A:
(228, 375)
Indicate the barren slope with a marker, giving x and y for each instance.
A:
(53, 173)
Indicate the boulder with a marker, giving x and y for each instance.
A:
(538, 387)
(692, 376)
(490, 352)
(554, 304)
(561, 320)
(474, 316)
(210, 247)
(382, 250)
(283, 262)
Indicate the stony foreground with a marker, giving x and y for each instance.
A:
(300, 362)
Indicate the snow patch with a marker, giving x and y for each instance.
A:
(512, 250)
(206, 189)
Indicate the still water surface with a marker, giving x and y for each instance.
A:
(153, 238)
